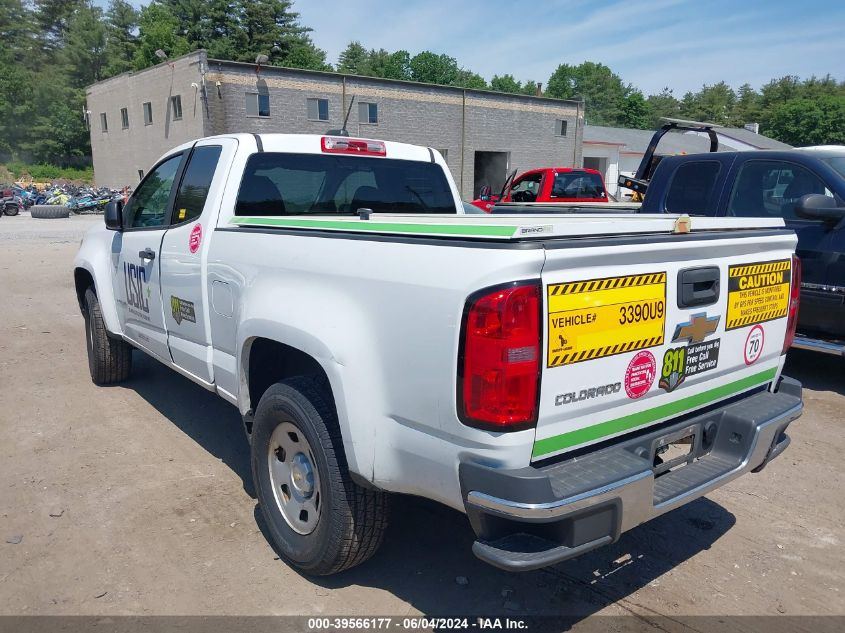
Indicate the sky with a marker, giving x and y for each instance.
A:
(652, 44)
(649, 43)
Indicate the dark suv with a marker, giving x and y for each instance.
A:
(806, 187)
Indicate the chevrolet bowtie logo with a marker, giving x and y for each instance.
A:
(698, 328)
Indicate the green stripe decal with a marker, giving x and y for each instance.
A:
(634, 420)
(493, 230)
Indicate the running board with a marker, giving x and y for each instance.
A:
(817, 345)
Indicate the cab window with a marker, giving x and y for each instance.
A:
(526, 188)
(577, 185)
(148, 206)
(772, 188)
(691, 189)
(295, 184)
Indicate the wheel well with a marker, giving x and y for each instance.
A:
(271, 362)
(82, 280)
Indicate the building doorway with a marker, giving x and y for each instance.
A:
(599, 164)
(491, 168)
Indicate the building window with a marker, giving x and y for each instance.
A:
(318, 109)
(368, 112)
(560, 127)
(104, 122)
(124, 118)
(176, 104)
(148, 113)
(258, 104)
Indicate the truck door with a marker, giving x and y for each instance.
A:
(184, 290)
(135, 259)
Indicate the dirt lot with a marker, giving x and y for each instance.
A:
(137, 500)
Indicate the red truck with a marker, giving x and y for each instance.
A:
(548, 184)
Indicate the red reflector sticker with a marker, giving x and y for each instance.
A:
(195, 238)
(639, 377)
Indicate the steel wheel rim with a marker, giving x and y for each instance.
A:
(294, 478)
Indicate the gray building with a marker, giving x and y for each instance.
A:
(135, 117)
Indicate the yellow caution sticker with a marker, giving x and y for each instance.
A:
(602, 317)
(758, 292)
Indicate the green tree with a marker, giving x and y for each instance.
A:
(601, 89)
(747, 107)
(121, 41)
(779, 91)
(530, 88)
(635, 111)
(84, 53)
(395, 65)
(354, 59)
(505, 83)
(800, 121)
(272, 28)
(713, 104)
(158, 29)
(432, 68)
(468, 79)
(662, 105)
(52, 18)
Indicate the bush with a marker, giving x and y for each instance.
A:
(44, 173)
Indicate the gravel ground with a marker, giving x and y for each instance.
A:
(137, 499)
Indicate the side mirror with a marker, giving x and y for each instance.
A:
(113, 215)
(815, 206)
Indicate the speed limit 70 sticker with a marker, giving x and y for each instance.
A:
(754, 344)
(595, 318)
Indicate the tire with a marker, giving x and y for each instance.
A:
(11, 209)
(49, 211)
(109, 359)
(351, 519)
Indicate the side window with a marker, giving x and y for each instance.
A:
(195, 183)
(148, 205)
(771, 188)
(691, 190)
(526, 189)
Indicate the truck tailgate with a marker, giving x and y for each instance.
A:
(642, 329)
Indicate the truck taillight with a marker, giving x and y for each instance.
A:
(499, 363)
(794, 298)
(345, 145)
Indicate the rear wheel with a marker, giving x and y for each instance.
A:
(319, 519)
(11, 209)
(109, 359)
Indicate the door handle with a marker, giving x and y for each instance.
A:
(147, 253)
(698, 286)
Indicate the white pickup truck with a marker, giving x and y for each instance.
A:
(558, 379)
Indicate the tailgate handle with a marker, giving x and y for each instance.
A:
(698, 286)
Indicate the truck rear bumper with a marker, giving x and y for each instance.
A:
(537, 516)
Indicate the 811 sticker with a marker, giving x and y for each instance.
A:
(603, 317)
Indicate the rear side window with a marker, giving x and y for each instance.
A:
(196, 182)
(691, 190)
(296, 184)
(770, 188)
(577, 185)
